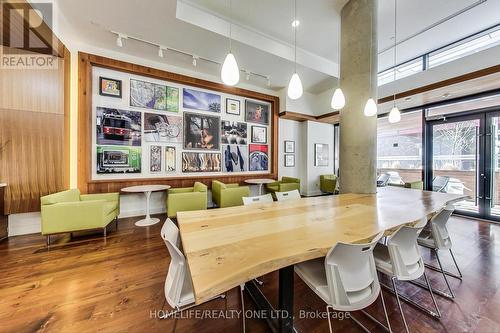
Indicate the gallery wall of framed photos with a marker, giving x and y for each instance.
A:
(169, 128)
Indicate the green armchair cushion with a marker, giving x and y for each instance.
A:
(284, 185)
(228, 195)
(186, 199)
(415, 185)
(328, 183)
(69, 211)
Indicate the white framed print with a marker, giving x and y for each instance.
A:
(289, 147)
(233, 106)
(320, 154)
(259, 134)
(289, 160)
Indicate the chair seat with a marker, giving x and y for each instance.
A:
(384, 263)
(313, 273)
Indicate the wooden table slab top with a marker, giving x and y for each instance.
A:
(229, 246)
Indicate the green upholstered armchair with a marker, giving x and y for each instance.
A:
(419, 185)
(284, 185)
(186, 199)
(228, 195)
(69, 211)
(328, 183)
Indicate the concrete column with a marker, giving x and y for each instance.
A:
(358, 134)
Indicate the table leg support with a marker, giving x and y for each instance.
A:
(286, 286)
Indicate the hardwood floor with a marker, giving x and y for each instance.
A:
(91, 284)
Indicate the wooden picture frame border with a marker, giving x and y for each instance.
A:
(86, 185)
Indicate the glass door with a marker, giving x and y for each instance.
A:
(457, 163)
(492, 163)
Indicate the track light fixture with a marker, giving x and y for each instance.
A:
(195, 60)
(119, 39)
(160, 51)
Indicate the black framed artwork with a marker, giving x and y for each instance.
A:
(233, 106)
(257, 112)
(110, 87)
(289, 147)
(259, 134)
(289, 160)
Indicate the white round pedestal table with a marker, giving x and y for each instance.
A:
(147, 190)
(259, 182)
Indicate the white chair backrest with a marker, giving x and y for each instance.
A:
(350, 268)
(407, 263)
(438, 227)
(258, 199)
(177, 275)
(290, 195)
(170, 232)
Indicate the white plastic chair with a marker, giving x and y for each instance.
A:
(257, 199)
(346, 279)
(401, 260)
(290, 195)
(178, 286)
(437, 238)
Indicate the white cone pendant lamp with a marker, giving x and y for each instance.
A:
(394, 115)
(338, 99)
(230, 73)
(370, 108)
(295, 89)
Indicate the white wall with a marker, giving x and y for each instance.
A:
(290, 130)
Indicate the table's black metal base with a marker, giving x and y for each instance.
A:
(279, 320)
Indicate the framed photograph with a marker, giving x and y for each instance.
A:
(118, 127)
(258, 159)
(155, 159)
(201, 131)
(259, 134)
(115, 159)
(200, 100)
(235, 158)
(162, 128)
(201, 162)
(142, 94)
(257, 112)
(233, 106)
(233, 132)
(289, 160)
(170, 159)
(110, 87)
(172, 99)
(289, 147)
(320, 154)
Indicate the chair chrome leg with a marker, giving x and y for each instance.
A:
(259, 282)
(393, 279)
(456, 265)
(48, 240)
(435, 291)
(242, 287)
(116, 223)
(359, 324)
(411, 302)
(432, 295)
(104, 232)
(385, 312)
(444, 274)
(329, 319)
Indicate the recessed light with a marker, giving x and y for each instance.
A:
(407, 99)
(295, 23)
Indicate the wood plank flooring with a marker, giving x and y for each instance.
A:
(91, 284)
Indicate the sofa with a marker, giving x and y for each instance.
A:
(328, 183)
(284, 185)
(70, 211)
(186, 199)
(228, 195)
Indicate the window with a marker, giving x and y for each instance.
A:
(403, 70)
(399, 148)
(465, 47)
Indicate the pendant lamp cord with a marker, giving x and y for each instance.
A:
(230, 27)
(295, 35)
(395, 46)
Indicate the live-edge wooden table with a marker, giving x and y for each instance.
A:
(231, 246)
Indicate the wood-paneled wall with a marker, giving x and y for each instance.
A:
(34, 114)
(87, 185)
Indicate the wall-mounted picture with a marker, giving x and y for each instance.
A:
(257, 112)
(110, 87)
(289, 147)
(233, 132)
(142, 94)
(155, 159)
(172, 99)
(235, 158)
(118, 127)
(233, 106)
(162, 128)
(170, 159)
(289, 160)
(258, 158)
(160, 97)
(201, 162)
(200, 100)
(118, 159)
(320, 154)
(259, 134)
(201, 131)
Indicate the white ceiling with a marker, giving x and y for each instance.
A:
(263, 32)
